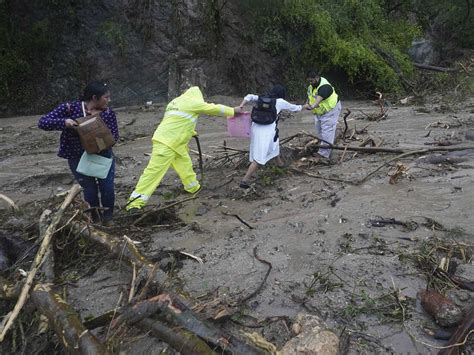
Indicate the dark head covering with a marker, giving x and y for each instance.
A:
(277, 92)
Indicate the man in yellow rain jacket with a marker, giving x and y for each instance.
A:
(170, 144)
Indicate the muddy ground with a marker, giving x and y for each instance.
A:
(327, 257)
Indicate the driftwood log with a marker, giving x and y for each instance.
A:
(120, 248)
(183, 341)
(74, 337)
(434, 68)
(170, 308)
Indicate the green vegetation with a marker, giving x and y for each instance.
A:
(270, 174)
(360, 46)
(453, 19)
(390, 307)
(115, 34)
(351, 37)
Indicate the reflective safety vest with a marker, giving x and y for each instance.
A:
(181, 114)
(327, 104)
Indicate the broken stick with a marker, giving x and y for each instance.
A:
(48, 235)
(10, 202)
(238, 217)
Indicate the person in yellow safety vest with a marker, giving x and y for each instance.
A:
(170, 144)
(324, 102)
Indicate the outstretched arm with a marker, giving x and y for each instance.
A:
(282, 104)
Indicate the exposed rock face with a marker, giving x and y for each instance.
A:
(423, 51)
(147, 50)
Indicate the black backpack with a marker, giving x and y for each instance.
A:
(265, 111)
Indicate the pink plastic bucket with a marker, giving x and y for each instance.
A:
(239, 125)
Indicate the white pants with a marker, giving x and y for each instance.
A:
(326, 128)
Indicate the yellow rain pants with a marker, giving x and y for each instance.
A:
(162, 157)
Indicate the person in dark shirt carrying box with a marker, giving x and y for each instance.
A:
(324, 102)
(94, 102)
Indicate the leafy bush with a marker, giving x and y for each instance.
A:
(353, 37)
(453, 20)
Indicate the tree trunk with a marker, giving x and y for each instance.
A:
(74, 337)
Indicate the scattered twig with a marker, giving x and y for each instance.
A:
(10, 202)
(203, 154)
(322, 177)
(388, 162)
(132, 284)
(149, 281)
(238, 217)
(197, 258)
(246, 298)
(348, 112)
(73, 192)
(343, 155)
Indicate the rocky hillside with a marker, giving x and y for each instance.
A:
(146, 49)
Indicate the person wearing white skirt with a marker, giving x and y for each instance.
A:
(264, 141)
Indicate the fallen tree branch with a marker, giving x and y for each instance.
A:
(66, 322)
(47, 267)
(175, 311)
(322, 177)
(181, 340)
(120, 248)
(434, 68)
(397, 150)
(46, 239)
(388, 162)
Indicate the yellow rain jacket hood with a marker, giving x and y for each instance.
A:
(181, 114)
